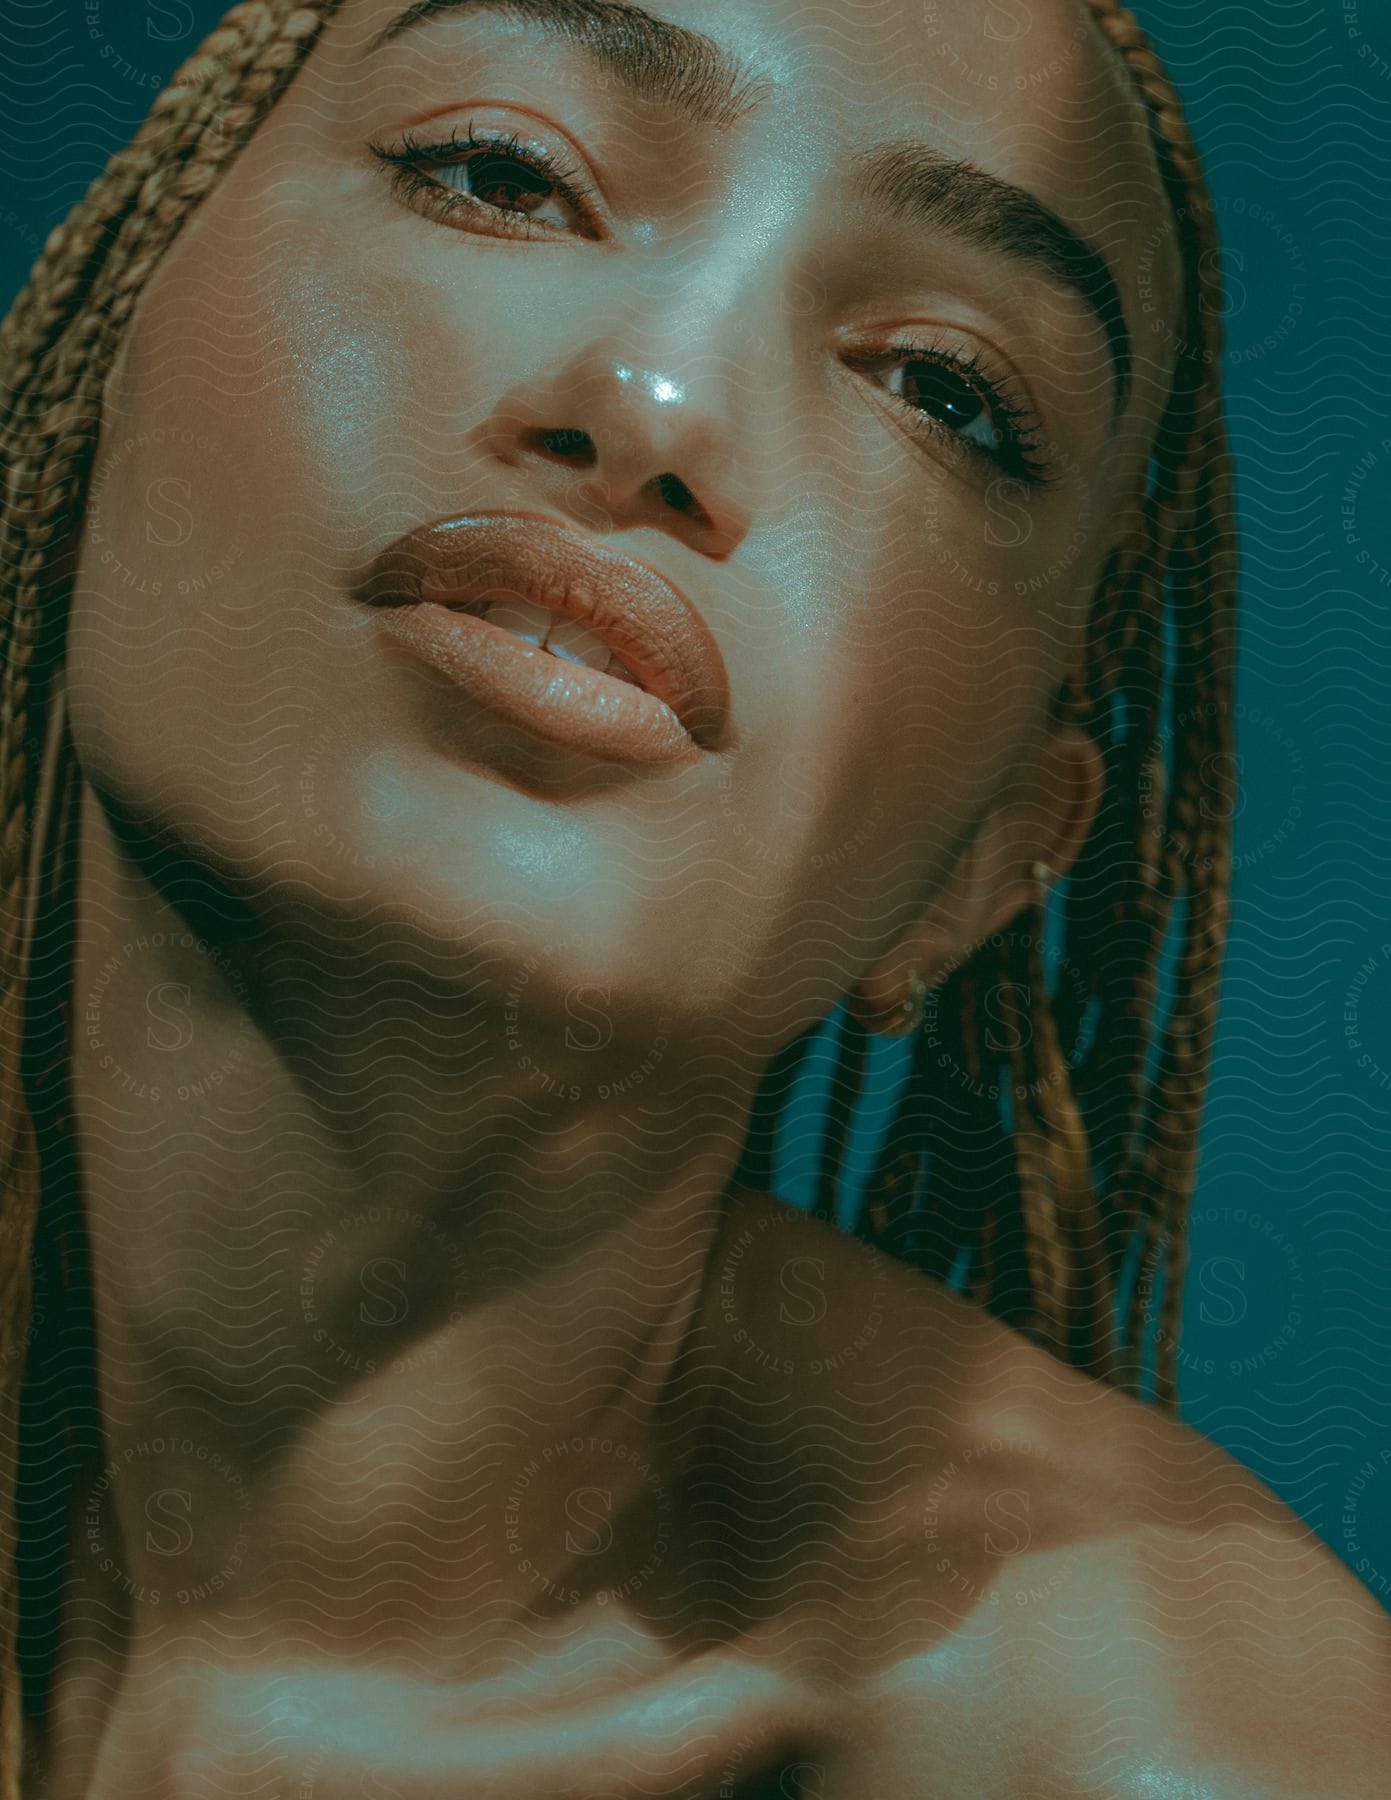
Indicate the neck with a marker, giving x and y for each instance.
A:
(324, 1192)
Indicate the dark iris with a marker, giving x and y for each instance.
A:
(505, 181)
(943, 393)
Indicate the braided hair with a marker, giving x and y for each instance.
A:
(1047, 1166)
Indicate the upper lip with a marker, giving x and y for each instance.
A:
(644, 618)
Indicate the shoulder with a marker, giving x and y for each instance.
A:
(968, 1408)
(1146, 1614)
(1088, 1594)
(965, 1399)
(1235, 1662)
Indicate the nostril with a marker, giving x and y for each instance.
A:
(678, 496)
(571, 445)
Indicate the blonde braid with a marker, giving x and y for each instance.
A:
(1195, 537)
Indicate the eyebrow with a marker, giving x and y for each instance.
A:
(652, 58)
(915, 182)
(656, 59)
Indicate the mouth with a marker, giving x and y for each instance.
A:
(577, 643)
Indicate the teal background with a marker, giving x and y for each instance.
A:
(1287, 1342)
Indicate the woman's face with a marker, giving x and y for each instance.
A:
(811, 337)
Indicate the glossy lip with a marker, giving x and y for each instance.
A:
(683, 702)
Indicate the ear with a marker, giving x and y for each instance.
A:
(1044, 819)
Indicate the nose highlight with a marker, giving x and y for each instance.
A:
(637, 446)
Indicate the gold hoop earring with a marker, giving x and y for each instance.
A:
(899, 1021)
(1042, 876)
(907, 1020)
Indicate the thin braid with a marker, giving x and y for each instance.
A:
(1016, 992)
(1199, 543)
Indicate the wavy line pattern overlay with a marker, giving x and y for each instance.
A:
(606, 1492)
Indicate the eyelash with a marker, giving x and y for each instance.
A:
(408, 159)
(1017, 454)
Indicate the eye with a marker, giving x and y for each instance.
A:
(507, 182)
(494, 185)
(949, 393)
(946, 394)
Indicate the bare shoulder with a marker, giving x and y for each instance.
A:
(1239, 1662)
(1103, 1602)
(960, 1399)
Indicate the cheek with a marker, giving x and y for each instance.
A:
(883, 719)
(332, 398)
(258, 417)
(986, 591)
(958, 625)
(1009, 549)
(280, 406)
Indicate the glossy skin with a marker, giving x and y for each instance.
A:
(393, 1072)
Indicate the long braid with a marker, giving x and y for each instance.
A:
(1197, 538)
(1029, 1207)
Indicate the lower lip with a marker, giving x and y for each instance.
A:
(560, 702)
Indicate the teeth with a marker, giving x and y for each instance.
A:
(562, 637)
(523, 618)
(574, 642)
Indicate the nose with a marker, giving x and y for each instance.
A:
(619, 440)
